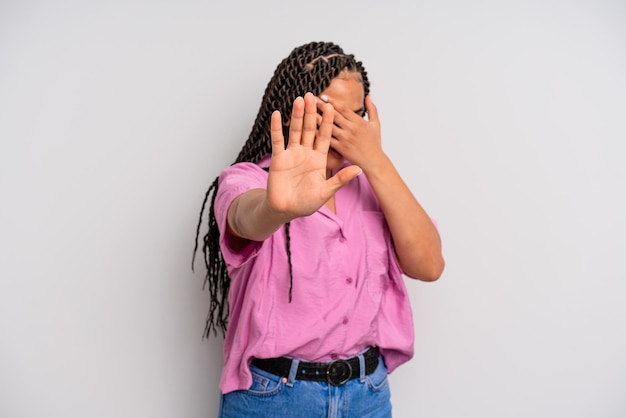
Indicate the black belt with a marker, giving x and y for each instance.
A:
(336, 372)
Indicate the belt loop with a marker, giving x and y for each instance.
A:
(361, 367)
(293, 371)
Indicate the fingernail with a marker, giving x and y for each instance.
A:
(324, 97)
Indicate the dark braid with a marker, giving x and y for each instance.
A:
(308, 68)
(288, 245)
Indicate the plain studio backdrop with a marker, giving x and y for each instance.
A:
(506, 119)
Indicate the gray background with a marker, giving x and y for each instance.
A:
(507, 120)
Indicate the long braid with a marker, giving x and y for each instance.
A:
(308, 68)
(288, 248)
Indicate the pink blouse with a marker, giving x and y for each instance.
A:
(348, 291)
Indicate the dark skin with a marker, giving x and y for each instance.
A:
(322, 133)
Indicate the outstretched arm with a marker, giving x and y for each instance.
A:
(416, 240)
(297, 184)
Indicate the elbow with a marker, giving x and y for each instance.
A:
(429, 271)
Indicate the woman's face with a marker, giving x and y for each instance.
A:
(345, 90)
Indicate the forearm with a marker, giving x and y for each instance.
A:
(416, 240)
(250, 217)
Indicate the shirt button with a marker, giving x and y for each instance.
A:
(342, 239)
(345, 320)
(349, 280)
(334, 356)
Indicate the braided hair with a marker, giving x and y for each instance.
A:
(308, 68)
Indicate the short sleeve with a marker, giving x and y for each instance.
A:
(234, 181)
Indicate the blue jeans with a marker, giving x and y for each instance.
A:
(275, 396)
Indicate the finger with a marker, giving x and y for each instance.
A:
(321, 103)
(320, 111)
(310, 120)
(341, 112)
(295, 127)
(325, 129)
(372, 111)
(319, 118)
(343, 177)
(338, 134)
(276, 133)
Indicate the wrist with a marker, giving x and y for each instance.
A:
(377, 166)
(274, 215)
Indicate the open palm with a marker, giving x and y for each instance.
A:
(297, 183)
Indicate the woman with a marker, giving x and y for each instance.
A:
(310, 231)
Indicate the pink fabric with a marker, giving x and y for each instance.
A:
(348, 291)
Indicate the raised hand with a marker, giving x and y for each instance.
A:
(357, 139)
(416, 240)
(297, 183)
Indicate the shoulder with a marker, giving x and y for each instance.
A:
(245, 169)
(240, 174)
(236, 180)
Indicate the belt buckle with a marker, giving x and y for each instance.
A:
(338, 372)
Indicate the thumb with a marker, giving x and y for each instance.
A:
(343, 177)
(372, 111)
